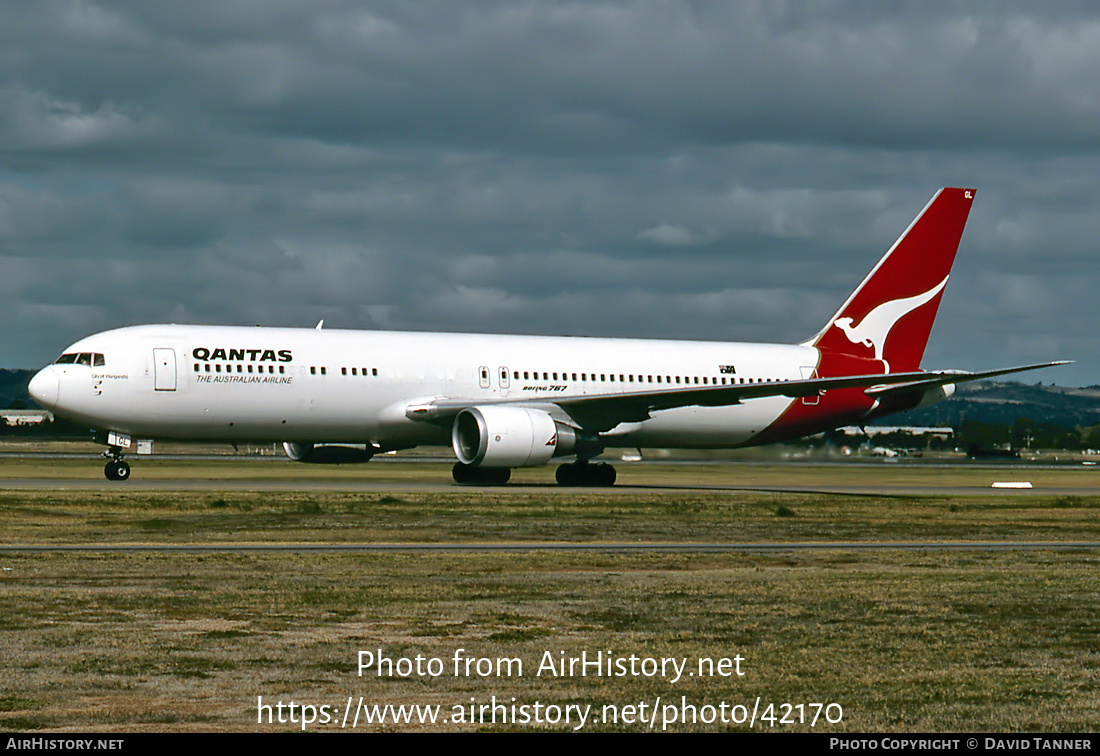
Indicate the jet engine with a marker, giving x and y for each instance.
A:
(902, 399)
(937, 394)
(328, 454)
(495, 436)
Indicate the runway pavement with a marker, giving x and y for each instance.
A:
(440, 482)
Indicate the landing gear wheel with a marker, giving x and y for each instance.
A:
(498, 476)
(484, 476)
(584, 474)
(566, 475)
(605, 475)
(116, 469)
(461, 473)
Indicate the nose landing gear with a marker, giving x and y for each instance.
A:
(116, 469)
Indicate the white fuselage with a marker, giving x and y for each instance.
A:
(336, 386)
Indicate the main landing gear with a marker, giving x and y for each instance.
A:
(480, 476)
(585, 474)
(572, 474)
(116, 469)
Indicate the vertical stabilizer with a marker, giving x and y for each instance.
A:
(890, 315)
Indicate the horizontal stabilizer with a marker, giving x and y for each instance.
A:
(944, 377)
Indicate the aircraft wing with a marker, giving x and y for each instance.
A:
(602, 412)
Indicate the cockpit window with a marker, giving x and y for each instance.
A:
(91, 359)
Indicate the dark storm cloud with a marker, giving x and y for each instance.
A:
(702, 170)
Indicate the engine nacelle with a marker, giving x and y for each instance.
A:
(298, 452)
(937, 394)
(494, 436)
(903, 400)
(328, 454)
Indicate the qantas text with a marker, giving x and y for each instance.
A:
(240, 355)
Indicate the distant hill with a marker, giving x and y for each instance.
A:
(13, 389)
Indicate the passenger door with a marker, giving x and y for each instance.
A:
(164, 369)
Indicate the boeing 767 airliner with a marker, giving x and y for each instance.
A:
(519, 401)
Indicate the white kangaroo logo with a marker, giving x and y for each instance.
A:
(876, 325)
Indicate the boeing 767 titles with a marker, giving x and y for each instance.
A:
(519, 401)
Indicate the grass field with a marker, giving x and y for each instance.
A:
(900, 640)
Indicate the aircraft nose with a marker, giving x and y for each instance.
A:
(44, 387)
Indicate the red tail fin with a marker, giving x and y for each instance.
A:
(890, 315)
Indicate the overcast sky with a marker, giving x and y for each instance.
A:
(669, 169)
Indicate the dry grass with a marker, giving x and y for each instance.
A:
(930, 641)
(124, 515)
(943, 642)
